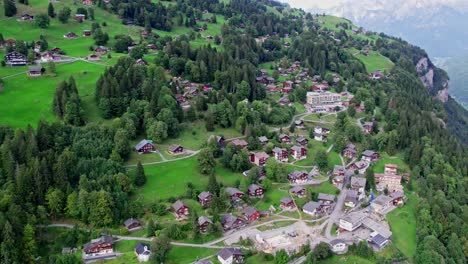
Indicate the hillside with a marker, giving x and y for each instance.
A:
(191, 127)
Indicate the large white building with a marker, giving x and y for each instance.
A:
(324, 98)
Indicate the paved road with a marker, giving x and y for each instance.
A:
(195, 152)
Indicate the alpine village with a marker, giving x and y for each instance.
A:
(222, 131)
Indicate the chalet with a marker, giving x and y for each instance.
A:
(388, 181)
(270, 80)
(207, 88)
(144, 33)
(132, 224)
(326, 201)
(27, 17)
(141, 62)
(284, 101)
(299, 123)
(145, 146)
(287, 203)
(86, 33)
(299, 152)
(368, 127)
(101, 50)
(376, 75)
(320, 137)
(251, 213)
(302, 141)
(205, 198)
(378, 240)
(391, 169)
(312, 208)
(203, 223)
(271, 88)
(181, 209)
(80, 17)
(358, 184)
(240, 143)
(321, 130)
(339, 170)
(176, 149)
(280, 154)
(283, 138)
(382, 204)
(352, 198)
(259, 158)
(316, 78)
(209, 38)
(87, 2)
(230, 256)
(370, 156)
(231, 222)
(35, 71)
(151, 47)
(50, 56)
(15, 59)
(93, 57)
(350, 151)
(70, 35)
(338, 246)
(398, 198)
(338, 181)
(287, 87)
(298, 190)
(99, 246)
(255, 191)
(298, 176)
(320, 87)
(143, 252)
(234, 194)
(263, 72)
(360, 166)
(180, 98)
(192, 91)
(263, 140)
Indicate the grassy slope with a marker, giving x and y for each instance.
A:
(375, 60)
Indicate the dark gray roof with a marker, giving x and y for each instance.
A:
(143, 143)
(296, 174)
(336, 242)
(278, 150)
(131, 221)
(310, 206)
(296, 189)
(178, 204)
(368, 153)
(97, 241)
(283, 135)
(286, 200)
(360, 181)
(382, 200)
(254, 187)
(263, 139)
(296, 148)
(204, 195)
(142, 248)
(204, 219)
(229, 252)
(233, 191)
(174, 147)
(250, 211)
(325, 196)
(301, 139)
(35, 68)
(379, 240)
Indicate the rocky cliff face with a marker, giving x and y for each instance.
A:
(426, 72)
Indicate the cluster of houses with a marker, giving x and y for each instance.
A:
(321, 133)
(298, 151)
(146, 146)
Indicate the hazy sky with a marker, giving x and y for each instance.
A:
(324, 4)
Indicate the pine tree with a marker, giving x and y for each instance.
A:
(51, 10)
(9, 7)
(213, 186)
(29, 245)
(8, 248)
(161, 248)
(195, 228)
(140, 177)
(150, 229)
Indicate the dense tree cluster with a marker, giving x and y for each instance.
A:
(67, 103)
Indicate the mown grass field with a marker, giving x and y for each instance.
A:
(375, 60)
(385, 159)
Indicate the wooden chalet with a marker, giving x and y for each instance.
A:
(263, 140)
(298, 190)
(35, 71)
(259, 158)
(280, 154)
(141, 62)
(87, 2)
(143, 252)
(70, 35)
(176, 149)
(16, 59)
(251, 213)
(151, 47)
(283, 138)
(203, 224)
(302, 141)
(101, 50)
(80, 17)
(370, 156)
(312, 208)
(350, 151)
(398, 198)
(287, 203)
(230, 255)
(298, 152)
(297, 176)
(240, 143)
(93, 57)
(205, 198)
(271, 88)
(255, 191)
(299, 123)
(391, 169)
(145, 146)
(368, 127)
(181, 209)
(360, 166)
(339, 170)
(231, 222)
(99, 246)
(287, 86)
(27, 17)
(320, 137)
(86, 33)
(234, 194)
(132, 224)
(284, 101)
(321, 130)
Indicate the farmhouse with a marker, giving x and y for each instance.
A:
(368, 127)
(145, 146)
(312, 208)
(143, 252)
(283, 138)
(232, 222)
(93, 57)
(251, 213)
(259, 158)
(176, 149)
(80, 17)
(234, 194)
(86, 33)
(376, 75)
(240, 143)
(263, 140)
(299, 123)
(298, 176)
(27, 17)
(205, 198)
(398, 198)
(350, 151)
(70, 35)
(255, 191)
(99, 246)
(141, 62)
(181, 209)
(370, 156)
(338, 181)
(230, 255)
(132, 224)
(320, 137)
(15, 59)
(321, 130)
(50, 56)
(280, 154)
(298, 190)
(203, 224)
(326, 201)
(287, 203)
(302, 141)
(35, 71)
(299, 152)
(101, 50)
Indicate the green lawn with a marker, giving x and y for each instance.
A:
(273, 197)
(403, 225)
(346, 259)
(182, 255)
(170, 179)
(385, 159)
(325, 187)
(375, 60)
(257, 259)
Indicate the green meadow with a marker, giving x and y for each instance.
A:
(374, 61)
